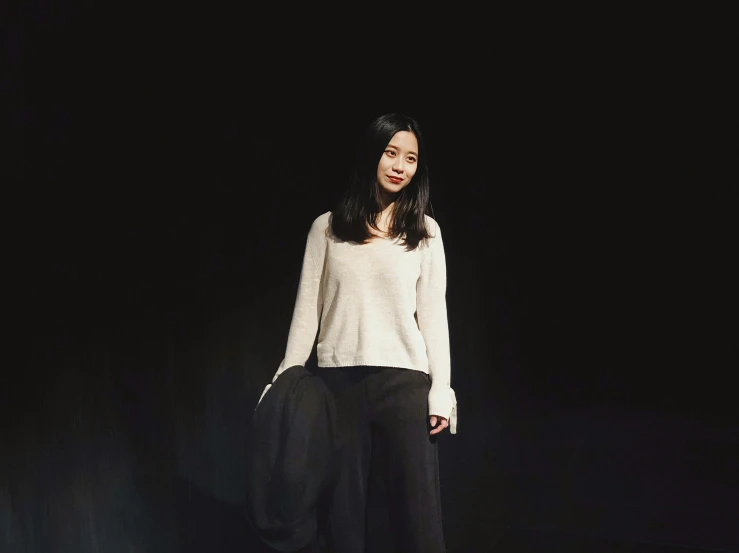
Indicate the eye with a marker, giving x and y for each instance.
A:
(412, 159)
(390, 152)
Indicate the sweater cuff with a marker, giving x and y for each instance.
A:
(264, 392)
(443, 403)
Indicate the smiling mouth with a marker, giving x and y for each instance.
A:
(395, 180)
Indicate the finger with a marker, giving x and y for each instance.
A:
(437, 419)
(443, 423)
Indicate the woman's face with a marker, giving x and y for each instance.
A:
(398, 162)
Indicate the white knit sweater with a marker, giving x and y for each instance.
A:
(375, 304)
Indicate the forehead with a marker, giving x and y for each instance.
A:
(404, 140)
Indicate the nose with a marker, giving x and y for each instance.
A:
(398, 165)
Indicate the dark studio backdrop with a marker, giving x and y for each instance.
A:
(169, 186)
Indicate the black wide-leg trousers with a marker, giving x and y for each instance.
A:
(383, 422)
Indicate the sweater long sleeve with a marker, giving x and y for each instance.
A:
(308, 303)
(431, 312)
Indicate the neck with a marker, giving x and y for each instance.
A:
(387, 202)
(387, 207)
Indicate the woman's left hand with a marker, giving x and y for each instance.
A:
(443, 423)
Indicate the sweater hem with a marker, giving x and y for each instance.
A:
(365, 363)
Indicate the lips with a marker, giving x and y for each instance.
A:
(395, 180)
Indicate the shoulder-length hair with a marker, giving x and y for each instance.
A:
(360, 205)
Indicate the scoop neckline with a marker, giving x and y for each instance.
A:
(376, 238)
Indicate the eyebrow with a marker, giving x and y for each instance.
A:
(409, 151)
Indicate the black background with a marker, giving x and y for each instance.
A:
(169, 167)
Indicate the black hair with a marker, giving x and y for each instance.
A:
(360, 205)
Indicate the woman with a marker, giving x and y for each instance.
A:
(374, 281)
